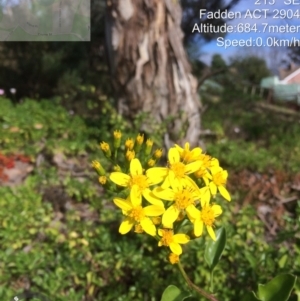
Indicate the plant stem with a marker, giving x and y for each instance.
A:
(194, 286)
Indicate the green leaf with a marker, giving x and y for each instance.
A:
(250, 297)
(279, 288)
(173, 293)
(214, 249)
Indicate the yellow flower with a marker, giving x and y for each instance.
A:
(188, 155)
(173, 258)
(136, 214)
(137, 179)
(130, 154)
(172, 241)
(205, 217)
(129, 143)
(219, 179)
(177, 172)
(183, 200)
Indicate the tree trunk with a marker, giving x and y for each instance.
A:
(150, 69)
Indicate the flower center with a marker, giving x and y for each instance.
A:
(179, 169)
(137, 213)
(183, 199)
(218, 179)
(139, 180)
(167, 237)
(207, 216)
(206, 161)
(200, 173)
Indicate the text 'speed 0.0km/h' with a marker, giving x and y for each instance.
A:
(266, 21)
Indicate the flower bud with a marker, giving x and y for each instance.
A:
(117, 139)
(130, 155)
(156, 220)
(158, 153)
(149, 144)
(117, 168)
(102, 180)
(138, 228)
(173, 258)
(105, 148)
(139, 141)
(98, 167)
(151, 162)
(129, 144)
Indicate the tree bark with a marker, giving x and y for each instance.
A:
(149, 66)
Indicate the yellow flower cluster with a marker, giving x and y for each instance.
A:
(160, 199)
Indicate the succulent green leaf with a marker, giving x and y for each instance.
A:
(279, 288)
(214, 249)
(250, 297)
(173, 293)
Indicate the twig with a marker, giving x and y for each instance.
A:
(194, 286)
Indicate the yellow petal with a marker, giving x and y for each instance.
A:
(176, 184)
(173, 155)
(166, 184)
(170, 215)
(214, 163)
(179, 148)
(211, 232)
(165, 194)
(205, 196)
(136, 167)
(123, 204)
(193, 212)
(153, 210)
(120, 178)
(135, 196)
(192, 167)
(205, 179)
(148, 226)
(156, 175)
(215, 169)
(190, 182)
(126, 225)
(181, 238)
(160, 232)
(196, 152)
(213, 188)
(224, 174)
(224, 193)
(175, 248)
(198, 227)
(151, 198)
(217, 210)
